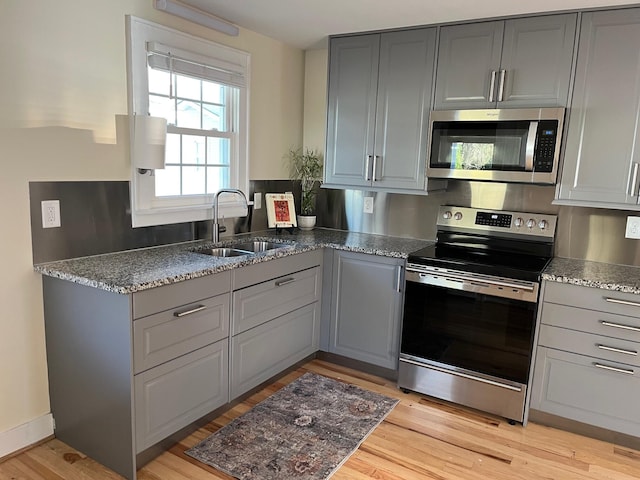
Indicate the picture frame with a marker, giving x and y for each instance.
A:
(281, 210)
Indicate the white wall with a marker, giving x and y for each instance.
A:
(63, 82)
(315, 99)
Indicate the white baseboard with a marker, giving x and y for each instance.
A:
(25, 435)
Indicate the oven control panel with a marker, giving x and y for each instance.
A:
(495, 221)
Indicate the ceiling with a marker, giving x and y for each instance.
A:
(307, 23)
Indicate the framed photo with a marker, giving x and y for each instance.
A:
(281, 210)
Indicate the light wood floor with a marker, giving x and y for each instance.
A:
(420, 439)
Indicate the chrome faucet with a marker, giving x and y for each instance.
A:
(215, 225)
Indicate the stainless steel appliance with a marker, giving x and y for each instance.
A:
(508, 145)
(470, 308)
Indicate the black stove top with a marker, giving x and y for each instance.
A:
(486, 262)
(512, 245)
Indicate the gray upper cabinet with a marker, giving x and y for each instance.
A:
(506, 64)
(379, 102)
(366, 302)
(601, 155)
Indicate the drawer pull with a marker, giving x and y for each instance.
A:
(617, 350)
(622, 302)
(285, 281)
(620, 325)
(184, 313)
(614, 369)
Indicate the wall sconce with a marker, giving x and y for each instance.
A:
(197, 16)
(149, 138)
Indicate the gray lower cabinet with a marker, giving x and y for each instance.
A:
(587, 365)
(506, 64)
(276, 322)
(379, 99)
(119, 365)
(601, 157)
(366, 303)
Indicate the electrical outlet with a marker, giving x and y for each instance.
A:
(257, 201)
(633, 227)
(50, 213)
(368, 205)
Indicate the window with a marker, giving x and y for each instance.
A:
(200, 87)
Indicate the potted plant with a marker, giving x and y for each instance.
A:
(306, 165)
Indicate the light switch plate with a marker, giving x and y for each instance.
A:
(633, 228)
(368, 205)
(257, 201)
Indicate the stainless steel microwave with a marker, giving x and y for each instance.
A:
(500, 145)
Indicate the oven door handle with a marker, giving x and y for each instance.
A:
(479, 282)
(463, 375)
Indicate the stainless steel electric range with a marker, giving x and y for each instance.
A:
(470, 308)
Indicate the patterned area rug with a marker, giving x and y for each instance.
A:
(305, 430)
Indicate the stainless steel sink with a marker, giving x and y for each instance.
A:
(225, 252)
(257, 246)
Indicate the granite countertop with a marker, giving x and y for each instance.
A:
(136, 270)
(620, 278)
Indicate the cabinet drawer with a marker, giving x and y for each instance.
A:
(171, 396)
(262, 352)
(265, 301)
(247, 276)
(591, 321)
(593, 298)
(167, 335)
(605, 348)
(572, 386)
(167, 297)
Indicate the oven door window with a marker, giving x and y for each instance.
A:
(481, 333)
(480, 145)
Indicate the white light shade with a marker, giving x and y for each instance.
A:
(197, 16)
(148, 142)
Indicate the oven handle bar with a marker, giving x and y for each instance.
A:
(472, 279)
(463, 375)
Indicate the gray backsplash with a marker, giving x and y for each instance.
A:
(96, 218)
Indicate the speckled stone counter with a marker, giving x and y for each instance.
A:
(136, 270)
(621, 278)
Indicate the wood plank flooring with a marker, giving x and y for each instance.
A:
(421, 439)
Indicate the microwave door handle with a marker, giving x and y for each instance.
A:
(531, 146)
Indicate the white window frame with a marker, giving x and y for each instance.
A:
(146, 208)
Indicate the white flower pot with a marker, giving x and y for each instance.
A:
(306, 222)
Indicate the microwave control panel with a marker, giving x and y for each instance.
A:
(545, 145)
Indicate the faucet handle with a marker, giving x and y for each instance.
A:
(222, 228)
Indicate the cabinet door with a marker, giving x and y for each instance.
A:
(353, 83)
(536, 59)
(467, 54)
(601, 154)
(404, 101)
(365, 308)
(266, 350)
(573, 386)
(174, 394)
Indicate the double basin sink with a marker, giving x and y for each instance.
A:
(244, 248)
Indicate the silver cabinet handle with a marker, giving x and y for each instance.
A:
(399, 279)
(366, 168)
(501, 85)
(285, 281)
(622, 302)
(633, 188)
(616, 350)
(375, 166)
(184, 313)
(614, 369)
(620, 325)
(492, 85)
